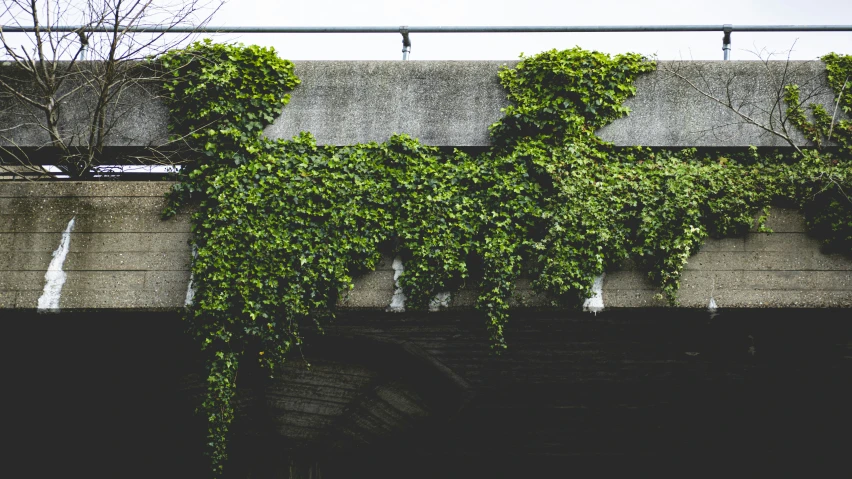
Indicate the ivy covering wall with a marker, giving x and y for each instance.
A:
(281, 227)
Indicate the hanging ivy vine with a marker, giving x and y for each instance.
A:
(282, 227)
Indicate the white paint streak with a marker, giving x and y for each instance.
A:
(190, 288)
(712, 308)
(397, 304)
(595, 304)
(54, 279)
(190, 292)
(441, 300)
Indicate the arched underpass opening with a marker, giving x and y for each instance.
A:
(419, 395)
(360, 396)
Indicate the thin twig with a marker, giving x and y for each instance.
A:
(836, 104)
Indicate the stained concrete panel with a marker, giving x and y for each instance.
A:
(452, 103)
(438, 102)
(136, 118)
(123, 256)
(718, 104)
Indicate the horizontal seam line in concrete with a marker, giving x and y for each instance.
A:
(162, 195)
(727, 290)
(186, 270)
(463, 289)
(740, 270)
(72, 251)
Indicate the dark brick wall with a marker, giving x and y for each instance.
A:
(107, 394)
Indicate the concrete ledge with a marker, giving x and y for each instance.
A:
(452, 103)
(673, 105)
(122, 256)
(136, 118)
(442, 103)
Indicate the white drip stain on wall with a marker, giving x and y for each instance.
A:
(595, 304)
(190, 288)
(190, 292)
(397, 304)
(440, 301)
(712, 308)
(55, 277)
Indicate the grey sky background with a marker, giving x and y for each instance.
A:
(704, 46)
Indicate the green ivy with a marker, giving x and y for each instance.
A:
(826, 125)
(282, 227)
(826, 200)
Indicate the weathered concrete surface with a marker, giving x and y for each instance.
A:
(718, 104)
(135, 118)
(442, 103)
(452, 103)
(122, 255)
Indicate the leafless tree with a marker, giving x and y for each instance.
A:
(775, 105)
(759, 103)
(69, 90)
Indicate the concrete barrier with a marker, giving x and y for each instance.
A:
(452, 103)
(120, 255)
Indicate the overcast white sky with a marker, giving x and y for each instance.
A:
(538, 12)
(490, 46)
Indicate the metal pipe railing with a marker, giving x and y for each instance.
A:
(405, 31)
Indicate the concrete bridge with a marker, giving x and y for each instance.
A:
(762, 376)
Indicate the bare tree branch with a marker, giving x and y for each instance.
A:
(836, 105)
(96, 68)
(728, 103)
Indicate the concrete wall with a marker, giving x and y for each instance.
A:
(447, 103)
(121, 255)
(136, 118)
